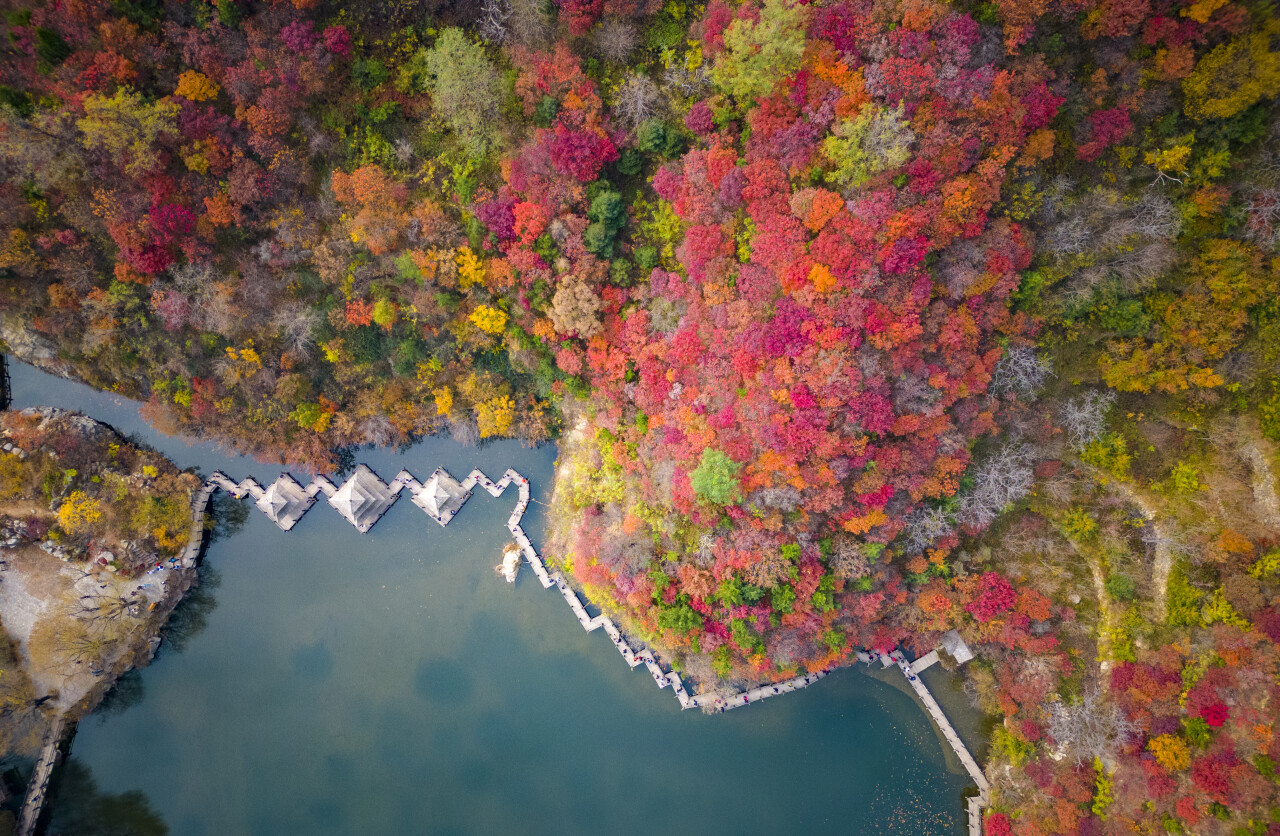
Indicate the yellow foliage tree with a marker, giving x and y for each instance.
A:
(444, 400)
(494, 416)
(470, 268)
(196, 87)
(128, 128)
(1170, 751)
(822, 279)
(1170, 160)
(79, 513)
(1235, 75)
(490, 320)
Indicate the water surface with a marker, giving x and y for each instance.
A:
(389, 683)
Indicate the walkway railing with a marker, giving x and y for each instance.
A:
(6, 388)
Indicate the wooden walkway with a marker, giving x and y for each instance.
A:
(983, 798)
(38, 786)
(6, 388)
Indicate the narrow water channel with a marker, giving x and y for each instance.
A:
(327, 682)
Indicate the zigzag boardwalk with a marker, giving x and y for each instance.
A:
(364, 498)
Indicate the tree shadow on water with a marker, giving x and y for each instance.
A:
(125, 694)
(226, 516)
(191, 615)
(78, 808)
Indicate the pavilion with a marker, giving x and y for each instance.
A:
(284, 501)
(441, 496)
(363, 498)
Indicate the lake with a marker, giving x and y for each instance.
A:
(326, 682)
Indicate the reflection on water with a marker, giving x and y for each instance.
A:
(84, 810)
(126, 693)
(389, 683)
(227, 515)
(191, 615)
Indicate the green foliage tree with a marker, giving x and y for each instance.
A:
(51, 49)
(715, 479)
(679, 618)
(465, 87)
(607, 215)
(655, 137)
(759, 54)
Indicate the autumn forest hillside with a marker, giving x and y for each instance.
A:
(857, 321)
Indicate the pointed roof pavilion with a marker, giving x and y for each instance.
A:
(441, 496)
(955, 645)
(363, 498)
(284, 502)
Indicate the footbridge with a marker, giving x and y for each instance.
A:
(362, 500)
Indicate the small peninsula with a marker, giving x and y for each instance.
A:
(91, 527)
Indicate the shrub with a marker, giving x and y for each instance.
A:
(1269, 415)
(1183, 608)
(722, 661)
(1185, 478)
(1079, 525)
(1109, 453)
(1120, 587)
(1197, 731)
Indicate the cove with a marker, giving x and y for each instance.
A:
(390, 683)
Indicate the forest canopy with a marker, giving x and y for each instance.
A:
(857, 321)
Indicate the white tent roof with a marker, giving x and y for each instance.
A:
(956, 646)
(440, 494)
(284, 501)
(363, 498)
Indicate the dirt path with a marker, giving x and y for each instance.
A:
(1163, 563)
(29, 585)
(1106, 615)
(1263, 483)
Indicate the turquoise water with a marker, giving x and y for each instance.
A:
(390, 683)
